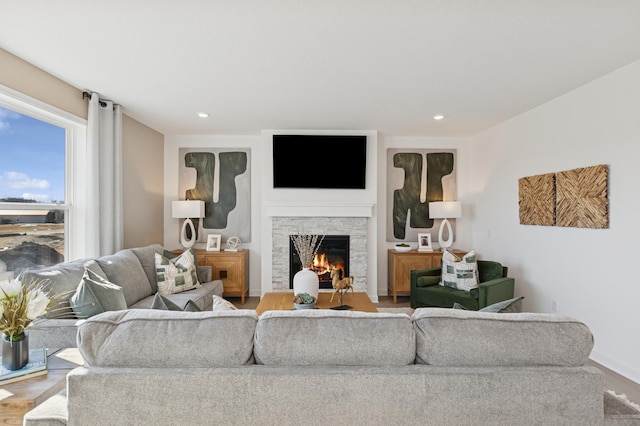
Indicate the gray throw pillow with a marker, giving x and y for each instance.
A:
(95, 295)
(512, 305)
(162, 303)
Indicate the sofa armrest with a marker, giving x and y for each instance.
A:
(52, 411)
(204, 273)
(415, 274)
(493, 291)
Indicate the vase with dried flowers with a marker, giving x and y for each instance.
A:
(306, 280)
(20, 305)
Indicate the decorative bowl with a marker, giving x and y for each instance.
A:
(403, 249)
(305, 305)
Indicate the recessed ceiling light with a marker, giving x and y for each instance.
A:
(203, 115)
(438, 117)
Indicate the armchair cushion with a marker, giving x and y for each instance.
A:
(427, 280)
(489, 270)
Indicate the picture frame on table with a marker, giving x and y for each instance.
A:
(214, 242)
(424, 242)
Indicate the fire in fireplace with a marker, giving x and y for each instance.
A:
(333, 253)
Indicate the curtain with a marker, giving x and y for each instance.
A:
(104, 178)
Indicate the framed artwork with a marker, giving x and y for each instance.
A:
(213, 242)
(221, 177)
(424, 242)
(416, 177)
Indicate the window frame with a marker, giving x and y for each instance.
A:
(74, 205)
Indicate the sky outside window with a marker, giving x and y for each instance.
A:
(32, 158)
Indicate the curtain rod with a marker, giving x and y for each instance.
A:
(86, 95)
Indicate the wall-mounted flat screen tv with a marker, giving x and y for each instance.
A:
(319, 161)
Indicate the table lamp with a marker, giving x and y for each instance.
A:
(445, 210)
(186, 210)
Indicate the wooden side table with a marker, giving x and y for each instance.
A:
(232, 267)
(402, 263)
(19, 397)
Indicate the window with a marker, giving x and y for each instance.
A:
(40, 201)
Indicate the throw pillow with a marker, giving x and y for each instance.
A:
(176, 275)
(220, 304)
(461, 274)
(506, 306)
(457, 305)
(95, 295)
(162, 303)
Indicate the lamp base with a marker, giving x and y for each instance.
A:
(445, 244)
(186, 242)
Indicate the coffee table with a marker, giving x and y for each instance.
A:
(283, 301)
(19, 397)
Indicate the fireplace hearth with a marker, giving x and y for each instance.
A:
(333, 253)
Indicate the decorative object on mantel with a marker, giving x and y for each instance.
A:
(304, 301)
(233, 244)
(573, 198)
(424, 242)
(445, 210)
(187, 209)
(306, 280)
(340, 286)
(20, 305)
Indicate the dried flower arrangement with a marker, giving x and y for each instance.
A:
(306, 246)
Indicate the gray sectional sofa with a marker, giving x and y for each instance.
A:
(132, 269)
(320, 367)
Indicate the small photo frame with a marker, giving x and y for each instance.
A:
(424, 242)
(213, 242)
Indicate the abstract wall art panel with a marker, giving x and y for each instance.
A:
(582, 197)
(537, 200)
(414, 178)
(222, 179)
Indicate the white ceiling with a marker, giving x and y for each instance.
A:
(386, 65)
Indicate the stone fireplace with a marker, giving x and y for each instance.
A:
(355, 228)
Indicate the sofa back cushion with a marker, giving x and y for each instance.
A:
(171, 339)
(62, 278)
(453, 337)
(124, 269)
(334, 338)
(146, 256)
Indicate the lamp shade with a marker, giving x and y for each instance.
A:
(187, 209)
(445, 210)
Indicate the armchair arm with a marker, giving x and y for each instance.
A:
(494, 291)
(415, 274)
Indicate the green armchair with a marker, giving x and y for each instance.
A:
(494, 286)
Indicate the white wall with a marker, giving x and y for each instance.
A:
(589, 273)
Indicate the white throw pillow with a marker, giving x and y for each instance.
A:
(176, 275)
(220, 304)
(461, 274)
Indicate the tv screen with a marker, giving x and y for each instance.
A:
(319, 161)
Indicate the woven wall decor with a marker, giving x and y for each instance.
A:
(582, 197)
(537, 200)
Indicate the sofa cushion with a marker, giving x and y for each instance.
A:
(147, 258)
(95, 295)
(333, 338)
(125, 269)
(459, 273)
(154, 338)
(62, 278)
(176, 275)
(489, 270)
(453, 337)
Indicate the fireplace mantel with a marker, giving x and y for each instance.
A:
(320, 209)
